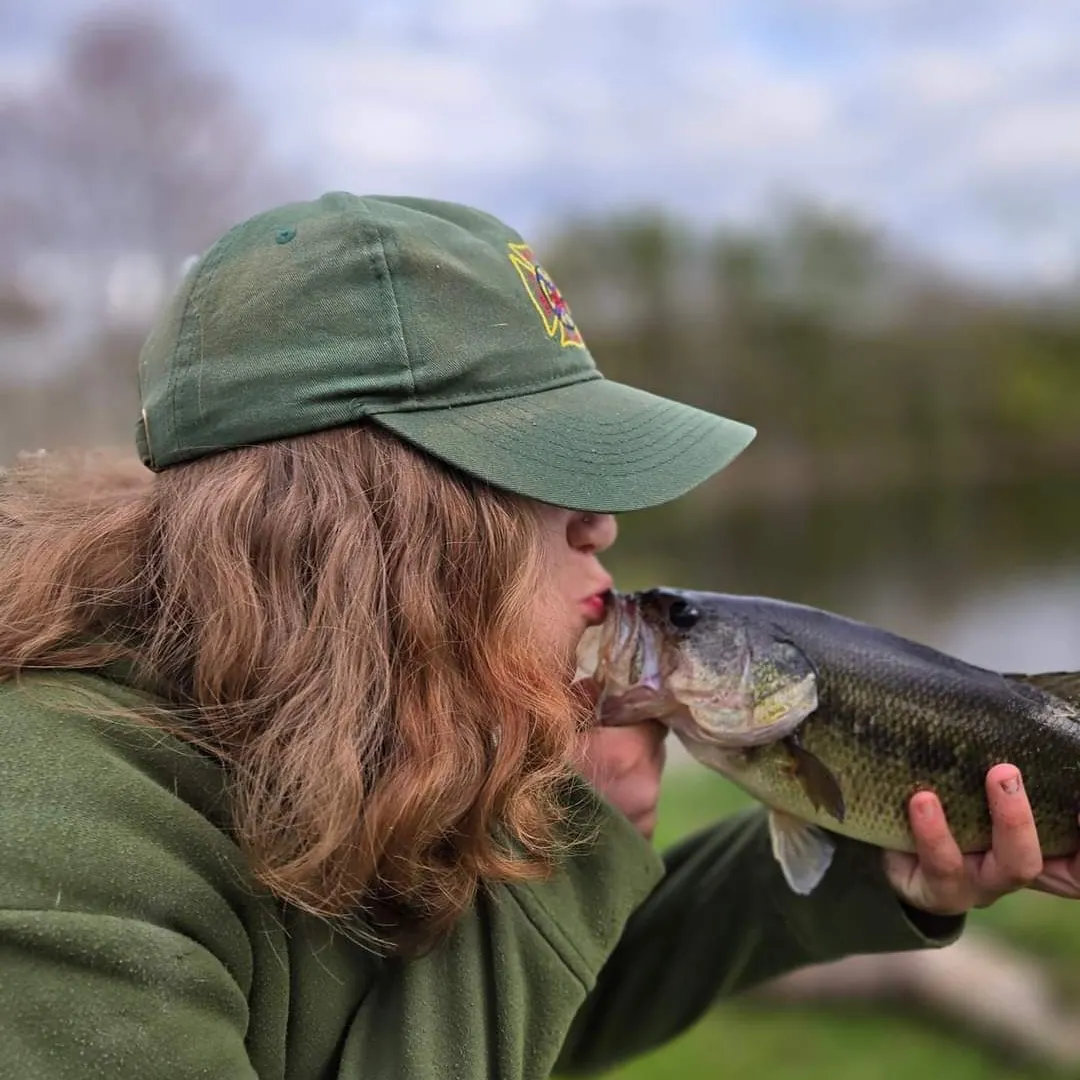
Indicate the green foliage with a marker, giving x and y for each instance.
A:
(744, 1040)
(862, 370)
(746, 1043)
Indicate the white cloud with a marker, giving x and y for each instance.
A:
(469, 18)
(928, 116)
(741, 107)
(401, 112)
(22, 71)
(1029, 138)
(935, 78)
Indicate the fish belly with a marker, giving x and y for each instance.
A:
(878, 783)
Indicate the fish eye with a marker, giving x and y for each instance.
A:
(683, 615)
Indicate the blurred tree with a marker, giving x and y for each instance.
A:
(18, 311)
(865, 368)
(132, 146)
(129, 158)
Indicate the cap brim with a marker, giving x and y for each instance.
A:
(596, 445)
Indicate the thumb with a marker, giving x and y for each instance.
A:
(901, 868)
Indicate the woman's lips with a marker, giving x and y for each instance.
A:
(595, 607)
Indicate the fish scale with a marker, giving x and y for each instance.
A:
(882, 718)
(880, 765)
(895, 717)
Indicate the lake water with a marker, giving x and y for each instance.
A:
(993, 577)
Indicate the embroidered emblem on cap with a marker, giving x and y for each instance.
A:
(554, 310)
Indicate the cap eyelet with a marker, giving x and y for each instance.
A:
(285, 235)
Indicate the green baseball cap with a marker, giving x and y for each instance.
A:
(431, 319)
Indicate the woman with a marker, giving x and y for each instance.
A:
(293, 780)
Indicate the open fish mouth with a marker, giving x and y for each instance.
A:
(742, 693)
(624, 657)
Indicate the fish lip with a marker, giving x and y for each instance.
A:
(628, 647)
(628, 615)
(651, 674)
(615, 637)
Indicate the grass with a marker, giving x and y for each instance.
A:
(735, 1042)
(739, 1039)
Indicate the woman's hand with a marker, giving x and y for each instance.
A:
(940, 879)
(625, 764)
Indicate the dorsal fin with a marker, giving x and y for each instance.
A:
(1062, 684)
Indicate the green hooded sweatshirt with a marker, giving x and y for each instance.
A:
(135, 944)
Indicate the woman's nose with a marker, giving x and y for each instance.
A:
(594, 532)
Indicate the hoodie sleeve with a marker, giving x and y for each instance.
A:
(122, 952)
(723, 920)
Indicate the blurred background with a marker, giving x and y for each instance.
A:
(853, 223)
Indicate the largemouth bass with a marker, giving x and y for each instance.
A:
(834, 724)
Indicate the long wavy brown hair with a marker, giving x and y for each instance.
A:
(348, 626)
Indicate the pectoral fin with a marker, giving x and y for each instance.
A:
(821, 786)
(803, 851)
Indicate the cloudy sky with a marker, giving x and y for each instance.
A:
(954, 123)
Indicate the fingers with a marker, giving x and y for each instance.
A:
(901, 871)
(1015, 859)
(944, 879)
(627, 749)
(1060, 877)
(625, 765)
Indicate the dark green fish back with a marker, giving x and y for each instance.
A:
(895, 716)
(1061, 684)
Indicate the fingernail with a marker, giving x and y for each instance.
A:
(924, 807)
(1012, 785)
